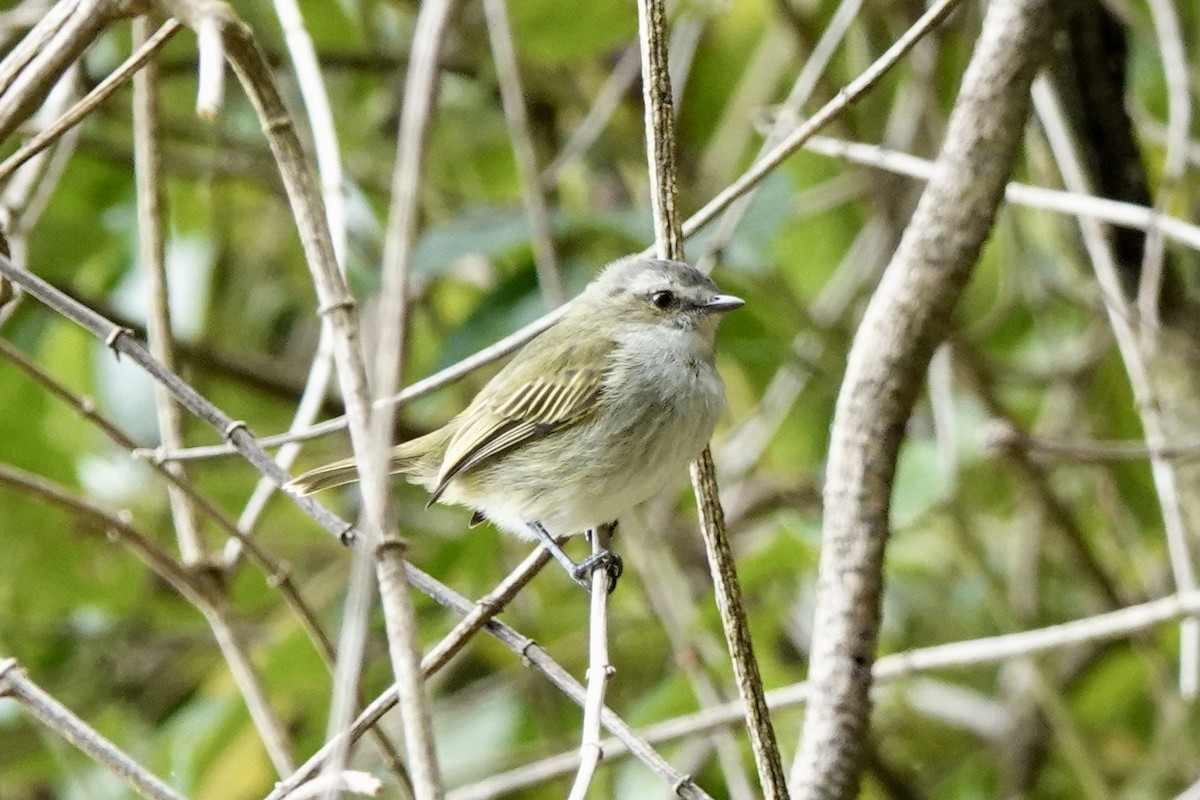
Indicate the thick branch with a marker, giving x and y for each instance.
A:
(906, 319)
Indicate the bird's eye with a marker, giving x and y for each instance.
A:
(663, 299)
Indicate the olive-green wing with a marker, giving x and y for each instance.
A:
(545, 389)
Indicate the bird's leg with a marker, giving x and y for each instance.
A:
(561, 557)
(604, 559)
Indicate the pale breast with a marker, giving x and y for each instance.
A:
(661, 400)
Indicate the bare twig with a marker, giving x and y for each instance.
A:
(1179, 125)
(347, 781)
(788, 113)
(92, 99)
(803, 132)
(660, 145)
(480, 616)
(360, 594)
(1133, 343)
(199, 592)
(737, 627)
(1007, 436)
(170, 418)
(1128, 215)
(151, 252)
(58, 718)
(513, 99)
(420, 88)
(210, 85)
(119, 341)
(32, 185)
(471, 623)
(420, 388)
(329, 169)
(276, 574)
(660, 130)
(599, 670)
(1118, 624)
(696, 652)
(182, 580)
(906, 319)
(31, 69)
(606, 103)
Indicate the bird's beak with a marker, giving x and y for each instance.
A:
(721, 303)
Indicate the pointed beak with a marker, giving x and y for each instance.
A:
(721, 303)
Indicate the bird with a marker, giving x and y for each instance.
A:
(590, 418)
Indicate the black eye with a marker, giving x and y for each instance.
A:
(663, 299)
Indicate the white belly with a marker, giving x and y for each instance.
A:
(650, 424)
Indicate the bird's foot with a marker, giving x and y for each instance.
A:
(605, 560)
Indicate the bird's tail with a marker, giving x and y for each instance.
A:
(419, 459)
(339, 473)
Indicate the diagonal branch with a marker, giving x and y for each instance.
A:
(660, 146)
(61, 720)
(905, 320)
(533, 655)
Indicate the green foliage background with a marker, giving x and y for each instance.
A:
(974, 552)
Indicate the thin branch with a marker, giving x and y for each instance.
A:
(210, 83)
(1007, 436)
(420, 89)
(346, 694)
(200, 593)
(471, 623)
(1117, 212)
(30, 70)
(329, 170)
(806, 130)
(118, 340)
(33, 184)
(535, 656)
(660, 145)
(105, 88)
(170, 419)
(1179, 125)
(531, 655)
(599, 671)
(411, 392)
(694, 650)
(182, 580)
(277, 576)
(737, 627)
(271, 730)
(513, 99)
(151, 254)
(1133, 343)
(121, 343)
(58, 718)
(786, 116)
(608, 99)
(906, 319)
(346, 781)
(1113, 625)
(485, 609)
(660, 130)
(360, 594)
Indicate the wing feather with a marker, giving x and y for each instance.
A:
(500, 420)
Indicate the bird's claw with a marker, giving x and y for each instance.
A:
(606, 560)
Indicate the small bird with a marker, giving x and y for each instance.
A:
(590, 418)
